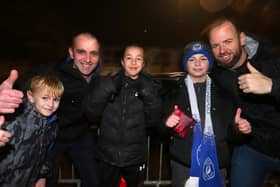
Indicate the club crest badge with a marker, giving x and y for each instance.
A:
(208, 169)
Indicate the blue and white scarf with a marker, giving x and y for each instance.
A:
(204, 165)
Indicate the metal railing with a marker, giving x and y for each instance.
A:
(157, 181)
(155, 175)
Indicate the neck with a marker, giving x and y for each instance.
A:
(87, 77)
(198, 79)
(241, 60)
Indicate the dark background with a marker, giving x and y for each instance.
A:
(35, 32)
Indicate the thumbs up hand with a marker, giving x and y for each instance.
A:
(4, 135)
(9, 97)
(173, 119)
(242, 124)
(254, 81)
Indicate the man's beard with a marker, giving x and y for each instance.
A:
(234, 60)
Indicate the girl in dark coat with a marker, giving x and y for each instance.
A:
(126, 105)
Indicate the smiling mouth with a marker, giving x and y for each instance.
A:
(133, 69)
(86, 65)
(48, 109)
(198, 70)
(226, 57)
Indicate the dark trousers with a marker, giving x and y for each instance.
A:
(110, 175)
(82, 154)
(250, 168)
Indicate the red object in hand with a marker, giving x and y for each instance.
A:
(122, 182)
(185, 123)
(177, 112)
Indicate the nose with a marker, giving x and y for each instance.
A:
(50, 103)
(87, 57)
(133, 60)
(221, 49)
(197, 62)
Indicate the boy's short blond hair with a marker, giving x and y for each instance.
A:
(51, 83)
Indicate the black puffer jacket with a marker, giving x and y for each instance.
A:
(262, 111)
(222, 114)
(23, 160)
(126, 108)
(72, 121)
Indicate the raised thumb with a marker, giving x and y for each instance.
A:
(2, 120)
(9, 82)
(237, 115)
(251, 68)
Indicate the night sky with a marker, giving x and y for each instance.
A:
(40, 31)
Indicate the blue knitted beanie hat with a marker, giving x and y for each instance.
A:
(197, 48)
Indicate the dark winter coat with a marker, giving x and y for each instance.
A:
(72, 121)
(125, 108)
(222, 114)
(262, 111)
(23, 160)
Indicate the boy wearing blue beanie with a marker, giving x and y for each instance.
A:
(197, 48)
(203, 154)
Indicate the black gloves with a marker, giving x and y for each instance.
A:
(112, 86)
(118, 83)
(146, 89)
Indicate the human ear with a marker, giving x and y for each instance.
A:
(242, 38)
(30, 96)
(143, 65)
(71, 53)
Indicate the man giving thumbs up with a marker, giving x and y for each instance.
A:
(255, 87)
(9, 101)
(254, 81)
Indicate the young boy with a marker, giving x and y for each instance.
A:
(33, 134)
(203, 155)
(127, 104)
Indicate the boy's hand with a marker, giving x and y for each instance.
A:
(173, 119)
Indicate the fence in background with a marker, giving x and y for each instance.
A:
(157, 171)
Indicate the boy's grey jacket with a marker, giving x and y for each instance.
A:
(23, 160)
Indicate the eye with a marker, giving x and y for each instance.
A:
(127, 58)
(45, 97)
(80, 51)
(214, 46)
(56, 99)
(94, 53)
(227, 42)
(203, 59)
(139, 59)
(191, 60)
